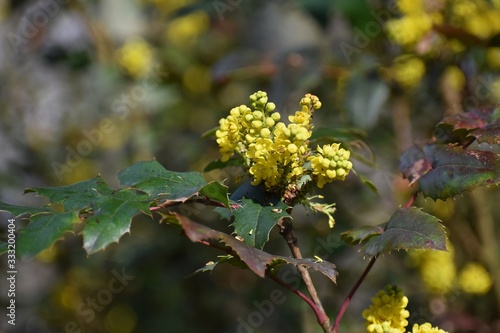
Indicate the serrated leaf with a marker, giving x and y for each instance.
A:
(75, 196)
(408, 228)
(216, 191)
(361, 234)
(152, 178)
(482, 124)
(258, 261)
(455, 170)
(443, 171)
(43, 231)
(253, 222)
(112, 218)
(21, 210)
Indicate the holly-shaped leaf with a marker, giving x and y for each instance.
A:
(21, 210)
(444, 171)
(253, 222)
(112, 218)
(408, 228)
(42, 231)
(482, 124)
(75, 196)
(161, 184)
(256, 260)
(361, 234)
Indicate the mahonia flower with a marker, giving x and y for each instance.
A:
(277, 154)
(454, 77)
(331, 163)
(474, 279)
(387, 313)
(426, 328)
(437, 269)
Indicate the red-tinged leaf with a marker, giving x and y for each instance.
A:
(413, 163)
(408, 228)
(361, 234)
(258, 261)
(443, 171)
(482, 124)
(455, 170)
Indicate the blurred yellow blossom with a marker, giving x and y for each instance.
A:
(197, 79)
(408, 70)
(135, 56)
(474, 279)
(182, 30)
(454, 77)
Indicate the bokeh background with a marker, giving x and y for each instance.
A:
(89, 87)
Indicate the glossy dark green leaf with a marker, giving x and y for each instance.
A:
(258, 261)
(215, 191)
(75, 196)
(253, 222)
(112, 218)
(408, 228)
(21, 210)
(152, 178)
(43, 231)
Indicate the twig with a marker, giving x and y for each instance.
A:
(286, 230)
(368, 268)
(347, 300)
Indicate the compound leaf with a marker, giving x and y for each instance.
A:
(408, 228)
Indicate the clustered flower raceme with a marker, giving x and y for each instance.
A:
(277, 154)
(388, 314)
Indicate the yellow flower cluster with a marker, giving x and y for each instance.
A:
(275, 153)
(426, 328)
(135, 56)
(474, 279)
(331, 163)
(388, 314)
(437, 268)
(477, 17)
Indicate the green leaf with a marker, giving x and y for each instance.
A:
(112, 218)
(216, 191)
(21, 210)
(443, 171)
(253, 222)
(258, 261)
(75, 196)
(43, 231)
(361, 234)
(408, 228)
(368, 183)
(337, 134)
(151, 177)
